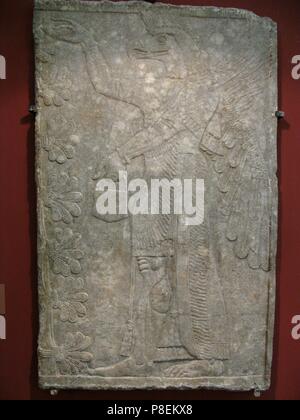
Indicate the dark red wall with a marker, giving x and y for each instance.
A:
(18, 366)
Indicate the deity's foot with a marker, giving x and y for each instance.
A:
(199, 368)
(127, 367)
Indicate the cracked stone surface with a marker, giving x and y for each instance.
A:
(149, 301)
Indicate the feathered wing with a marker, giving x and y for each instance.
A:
(236, 157)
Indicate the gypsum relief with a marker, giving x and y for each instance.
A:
(143, 301)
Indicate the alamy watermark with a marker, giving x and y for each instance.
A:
(2, 328)
(296, 328)
(296, 68)
(2, 68)
(159, 196)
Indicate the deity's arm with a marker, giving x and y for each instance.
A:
(149, 139)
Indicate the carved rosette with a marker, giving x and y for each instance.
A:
(63, 198)
(62, 254)
(72, 357)
(57, 141)
(70, 299)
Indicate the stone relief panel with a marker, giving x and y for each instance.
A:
(151, 301)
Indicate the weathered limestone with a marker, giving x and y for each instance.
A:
(148, 301)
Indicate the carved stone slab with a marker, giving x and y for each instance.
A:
(156, 91)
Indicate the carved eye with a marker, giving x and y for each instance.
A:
(67, 30)
(162, 39)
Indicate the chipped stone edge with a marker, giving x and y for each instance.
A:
(272, 152)
(235, 384)
(136, 6)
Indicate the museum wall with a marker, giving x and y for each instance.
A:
(18, 359)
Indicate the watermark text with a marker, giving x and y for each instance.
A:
(160, 196)
(2, 328)
(296, 328)
(296, 68)
(2, 68)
